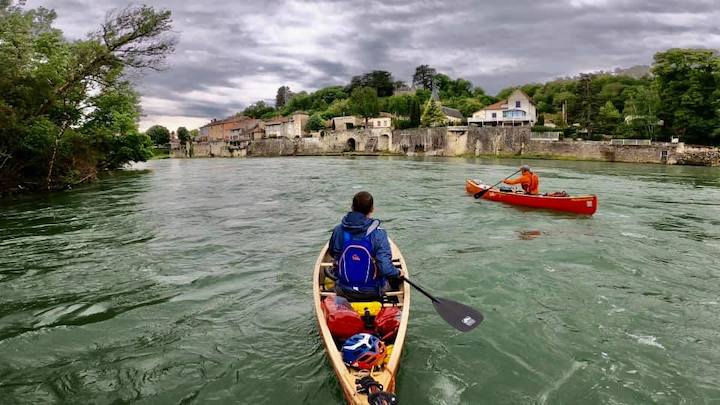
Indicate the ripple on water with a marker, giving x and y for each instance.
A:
(190, 283)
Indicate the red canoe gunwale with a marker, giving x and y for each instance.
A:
(584, 204)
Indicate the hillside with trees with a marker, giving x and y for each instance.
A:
(678, 96)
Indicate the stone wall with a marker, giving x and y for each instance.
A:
(457, 141)
(431, 141)
(700, 156)
(590, 150)
(497, 140)
(272, 147)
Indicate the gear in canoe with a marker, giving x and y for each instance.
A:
(530, 196)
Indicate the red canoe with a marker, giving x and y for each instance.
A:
(584, 204)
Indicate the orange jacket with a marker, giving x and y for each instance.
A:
(529, 182)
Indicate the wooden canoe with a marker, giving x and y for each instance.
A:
(583, 204)
(346, 375)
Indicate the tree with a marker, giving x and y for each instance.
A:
(467, 106)
(364, 102)
(415, 112)
(66, 109)
(158, 134)
(380, 80)
(257, 110)
(338, 108)
(424, 77)
(432, 115)
(641, 110)
(609, 118)
(450, 88)
(687, 82)
(283, 96)
(194, 133)
(183, 135)
(586, 92)
(315, 123)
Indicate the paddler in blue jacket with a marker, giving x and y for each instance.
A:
(361, 250)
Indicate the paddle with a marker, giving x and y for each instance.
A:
(480, 193)
(459, 316)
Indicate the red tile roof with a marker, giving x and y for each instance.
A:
(500, 105)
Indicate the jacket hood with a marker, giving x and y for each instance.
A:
(356, 223)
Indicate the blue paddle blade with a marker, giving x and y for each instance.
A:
(459, 316)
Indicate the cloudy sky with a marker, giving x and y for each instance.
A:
(234, 52)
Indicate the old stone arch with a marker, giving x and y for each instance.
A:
(350, 145)
(384, 142)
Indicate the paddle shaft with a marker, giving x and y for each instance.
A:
(417, 287)
(481, 192)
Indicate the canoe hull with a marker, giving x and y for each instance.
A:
(347, 376)
(585, 204)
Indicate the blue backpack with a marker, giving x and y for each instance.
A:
(357, 269)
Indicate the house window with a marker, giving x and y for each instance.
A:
(494, 115)
(664, 155)
(514, 114)
(517, 104)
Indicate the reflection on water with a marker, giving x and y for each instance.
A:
(189, 282)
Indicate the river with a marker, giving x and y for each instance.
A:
(188, 282)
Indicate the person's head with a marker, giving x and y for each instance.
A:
(363, 203)
(524, 168)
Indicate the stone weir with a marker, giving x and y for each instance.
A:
(455, 141)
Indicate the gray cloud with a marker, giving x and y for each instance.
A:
(233, 53)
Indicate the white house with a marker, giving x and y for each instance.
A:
(517, 110)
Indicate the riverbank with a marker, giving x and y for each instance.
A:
(457, 141)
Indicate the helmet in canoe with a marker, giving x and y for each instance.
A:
(525, 168)
(363, 351)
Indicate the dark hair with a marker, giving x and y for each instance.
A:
(362, 202)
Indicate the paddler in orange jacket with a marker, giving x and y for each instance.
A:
(528, 180)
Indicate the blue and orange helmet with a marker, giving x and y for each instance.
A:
(363, 351)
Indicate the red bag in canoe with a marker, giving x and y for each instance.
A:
(387, 323)
(342, 320)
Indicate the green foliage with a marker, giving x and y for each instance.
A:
(415, 113)
(194, 133)
(432, 115)
(183, 135)
(258, 110)
(608, 118)
(459, 88)
(65, 109)
(466, 105)
(403, 124)
(158, 134)
(541, 128)
(338, 108)
(380, 80)
(364, 102)
(315, 123)
(423, 96)
(641, 111)
(423, 77)
(688, 84)
(283, 95)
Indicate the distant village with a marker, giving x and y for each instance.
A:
(238, 130)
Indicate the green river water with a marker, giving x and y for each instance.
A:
(188, 282)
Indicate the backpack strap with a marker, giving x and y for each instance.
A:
(375, 225)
